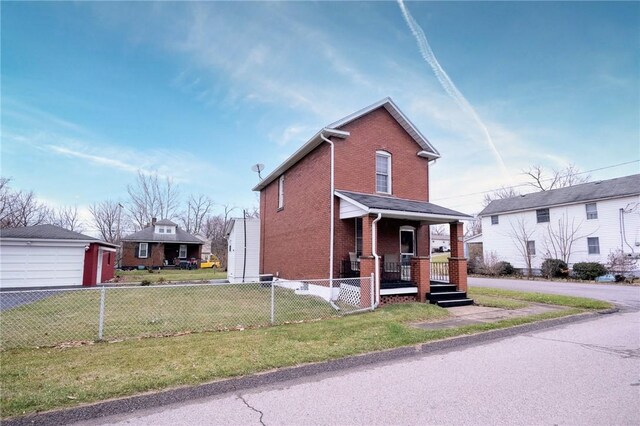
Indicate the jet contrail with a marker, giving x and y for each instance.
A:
(446, 82)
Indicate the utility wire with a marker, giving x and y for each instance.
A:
(529, 184)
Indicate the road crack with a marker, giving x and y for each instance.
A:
(254, 409)
(624, 353)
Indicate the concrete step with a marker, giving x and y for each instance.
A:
(454, 302)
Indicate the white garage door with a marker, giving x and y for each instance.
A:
(41, 266)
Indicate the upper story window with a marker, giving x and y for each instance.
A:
(494, 219)
(383, 172)
(161, 230)
(281, 192)
(542, 215)
(143, 250)
(592, 211)
(593, 245)
(169, 230)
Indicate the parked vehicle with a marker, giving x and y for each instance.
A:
(212, 262)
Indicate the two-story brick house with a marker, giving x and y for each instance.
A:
(354, 200)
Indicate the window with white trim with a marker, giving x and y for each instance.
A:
(531, 248)
(183, 251)
(281, 192)
(169, 230)
(592, 211)
(542, 215)
(358, 236)
(383, 172)
(593, 245)
(494, 219)
(143, 250)
(161, 230)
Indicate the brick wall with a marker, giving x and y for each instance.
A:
(130, 259)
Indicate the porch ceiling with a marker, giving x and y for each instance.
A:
(353, 204)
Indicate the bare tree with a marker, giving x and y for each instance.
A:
(152, 197)
(214, 228)
(68, 218)
(194, 218)
(438, 230)
(106, 218)
(544, 181)
(498, 194)
(474, 226)
(21, 208)
(520, 235)
(559, 238)
(620, 263)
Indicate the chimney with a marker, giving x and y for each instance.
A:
(153, 221)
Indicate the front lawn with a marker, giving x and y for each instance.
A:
(41, 379)
(170, 275)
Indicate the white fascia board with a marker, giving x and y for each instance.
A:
(549, 206)
(427, 155)
(44, 242)
(103, 248)
(393, 291)
(305, 149)
(418, 216)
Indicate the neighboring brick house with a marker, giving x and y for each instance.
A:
(161, 244)
(353, 200)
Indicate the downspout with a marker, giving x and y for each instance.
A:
(374, 251)
(331, 203)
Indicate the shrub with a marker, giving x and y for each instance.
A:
(504, 268)
(588, 270)
(145, 282)
(554, 268)
(161, 279)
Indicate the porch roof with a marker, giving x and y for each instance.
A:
(358, 204)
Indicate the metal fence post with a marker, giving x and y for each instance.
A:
(103, 293)
(372, 290)
(273, 303)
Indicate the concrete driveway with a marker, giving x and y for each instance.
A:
(625, 296)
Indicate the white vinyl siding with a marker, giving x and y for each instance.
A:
(383, 172)
(143, 250)
(236, 252)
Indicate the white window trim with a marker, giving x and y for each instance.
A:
(146, 250)
(389, 174)
(180, 256)
(598, 246)
(281, 192)
(586, 208)
(413, 232)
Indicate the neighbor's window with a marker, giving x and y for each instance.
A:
(542, 215)
(143, 250)
(183, 251)
(281, 192)
(383, 172)
(593, 244)
(161, 230)
(592, 211)
(531, 248)
(494, 219)
(168, 230)
(358, 236)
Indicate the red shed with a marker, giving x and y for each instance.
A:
(99, 263)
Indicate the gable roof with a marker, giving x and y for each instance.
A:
(44, 232)
(392, 206)
(591, 191)
(147, 235)
(333, 129)
(166, 222)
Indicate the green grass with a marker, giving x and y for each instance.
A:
(46, 378)
(155, 310)
(171, 275)
(440, 257)
(551, 299)
(497, 302)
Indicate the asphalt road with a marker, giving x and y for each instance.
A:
(625, 296)
(582, 373)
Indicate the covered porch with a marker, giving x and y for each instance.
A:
(391, 240)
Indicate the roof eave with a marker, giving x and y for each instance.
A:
(305, 149)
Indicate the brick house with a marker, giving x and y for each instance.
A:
(354, 201)
(161, 244)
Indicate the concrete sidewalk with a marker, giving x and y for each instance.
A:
(469, 315)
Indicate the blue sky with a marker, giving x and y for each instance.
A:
(92, 92)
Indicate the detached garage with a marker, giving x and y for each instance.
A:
(51, 256)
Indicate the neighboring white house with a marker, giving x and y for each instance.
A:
(582, 223)
(243, 256)
(440, 243)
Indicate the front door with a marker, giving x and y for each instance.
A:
(407, 251)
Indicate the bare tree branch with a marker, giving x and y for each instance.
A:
(68, 218)
(152, 197)
(520, 236)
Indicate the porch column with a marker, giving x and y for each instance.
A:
(457, 261)
(421, 275)
(367, 261)
(423, 240)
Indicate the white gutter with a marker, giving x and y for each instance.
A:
(331, 200)
(374, 251)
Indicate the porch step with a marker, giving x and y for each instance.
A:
(440, 288)
(446, 295)
(455, 302)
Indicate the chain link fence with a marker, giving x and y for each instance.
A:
(68, 316)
